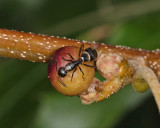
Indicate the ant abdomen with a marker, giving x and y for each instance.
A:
(89, 54)
(92, 52)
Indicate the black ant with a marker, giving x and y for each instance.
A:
(89, 54)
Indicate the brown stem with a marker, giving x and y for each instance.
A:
(38, 48)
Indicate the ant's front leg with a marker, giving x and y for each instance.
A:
(67, 60)
(70, 57)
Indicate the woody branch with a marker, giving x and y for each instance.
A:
(38, 48)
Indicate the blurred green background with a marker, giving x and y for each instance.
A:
(27, 99)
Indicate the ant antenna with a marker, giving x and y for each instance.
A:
(61, 81)
(82, 46)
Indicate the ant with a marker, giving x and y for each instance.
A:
(89, 54)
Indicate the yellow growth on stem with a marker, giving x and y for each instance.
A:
(153, 83)
(150, 78)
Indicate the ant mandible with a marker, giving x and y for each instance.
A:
(89, 54)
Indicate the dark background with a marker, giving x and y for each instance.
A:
(27, 99)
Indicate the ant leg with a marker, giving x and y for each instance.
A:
(80, 49)
(88, 65)
(73, 73)
(67, 59)
(60, 80)
(70, 56)
(81, 70)
(56, 65)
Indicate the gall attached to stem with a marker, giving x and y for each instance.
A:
(67, 73)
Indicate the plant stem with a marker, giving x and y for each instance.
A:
(149, 76)
(38, 48)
